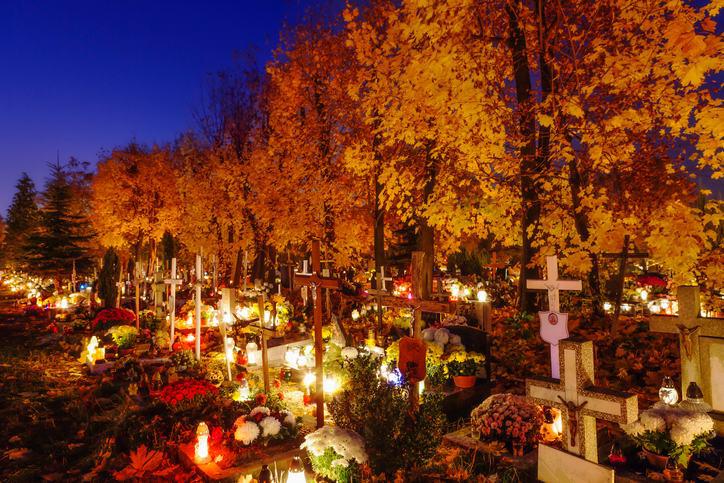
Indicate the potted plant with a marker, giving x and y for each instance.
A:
(669, 432)
(463, 367)
(124, 336)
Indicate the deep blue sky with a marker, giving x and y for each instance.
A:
(82, 76)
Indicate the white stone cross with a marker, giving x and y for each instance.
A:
(695, 335)
(305, 272)
(553, 285)
(579, 400)
(173, 282)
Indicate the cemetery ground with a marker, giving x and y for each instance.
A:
(62, 424)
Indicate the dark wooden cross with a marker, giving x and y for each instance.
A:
(494, 265)
(418, 303)
(623, 257)
(316, 282)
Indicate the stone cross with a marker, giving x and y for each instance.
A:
(172, 282)
(701, 343)
(554, 325)
(138, 276)
(579, 400)
(317, 283)
(159, 288)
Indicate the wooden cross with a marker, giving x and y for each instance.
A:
(317, 283)
(579, 400)
(172, 282)
(623, 257)
(159, 287)
(692, 331)
(553, 285)
(418, 304)
(381, 288)
(494, 265)
(199, 283)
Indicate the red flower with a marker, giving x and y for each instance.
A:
(261, 399)
(280, 396)
(277, 383)
(240, 376)
(217, 434)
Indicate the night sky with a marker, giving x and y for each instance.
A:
(78, 77)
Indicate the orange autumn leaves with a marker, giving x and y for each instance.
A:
(397, 94)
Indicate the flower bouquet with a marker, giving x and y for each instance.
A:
(265, 422)
(187, 393)
(672, 433)
(109, 317)
(124, 336)
(512, 420)
(336, 453)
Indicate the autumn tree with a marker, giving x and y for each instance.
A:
(134, 199)
(108, 278)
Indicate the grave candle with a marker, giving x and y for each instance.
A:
(201, 450)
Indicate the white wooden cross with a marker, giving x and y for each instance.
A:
(701, 344)
(382, 280)
(197, 303)
(579, 400)
(554, 325)
(553, 285)
(173, 282)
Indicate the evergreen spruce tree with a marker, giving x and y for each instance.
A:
(58, 242)
(22, 220)
(108, 277)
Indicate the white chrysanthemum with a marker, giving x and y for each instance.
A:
(345, 443)
(289, 418)
(442, 336)
(681, 435)
(259, 410)
(247, 432)
(652, 421)
(270, 426)
(428, 334)
(349, 353)
(455, 339)
(633, 429)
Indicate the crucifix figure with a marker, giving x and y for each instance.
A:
(172, 282)
(316, 284)
(699, 339)
(554, 325)
(305, 273)
(579, 400)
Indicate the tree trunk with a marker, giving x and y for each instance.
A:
(379, 231)
(580, 219)
(529, 168)
(426, 233)
(238, 268)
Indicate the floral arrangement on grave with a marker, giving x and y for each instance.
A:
(107, 318)
(184, 360)
(124, 336)
(463, 367)
(509, 419)
(187, 394)
(336, 454)
(400, 318)
(189, 309)
(266, 422)
(672, 432)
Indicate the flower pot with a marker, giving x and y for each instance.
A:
(464, 382)
(655, 461)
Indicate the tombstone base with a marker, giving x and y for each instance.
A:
(459, 402)
(556, 466)
(213, 471)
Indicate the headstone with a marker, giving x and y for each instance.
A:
(701, 345)
(580, 403)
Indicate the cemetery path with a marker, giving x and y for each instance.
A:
(42, 404)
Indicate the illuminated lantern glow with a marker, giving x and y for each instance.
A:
(230, 349)
(331, 385)
(644, 295)
(252, 353)
(64, 303)
(482, 296)
(668, 393)
(296, 471)
(455, 290)
(91, 350)
(201, 450)
(607, 306)
(190, 338)
(355, 314)
(309, 379)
